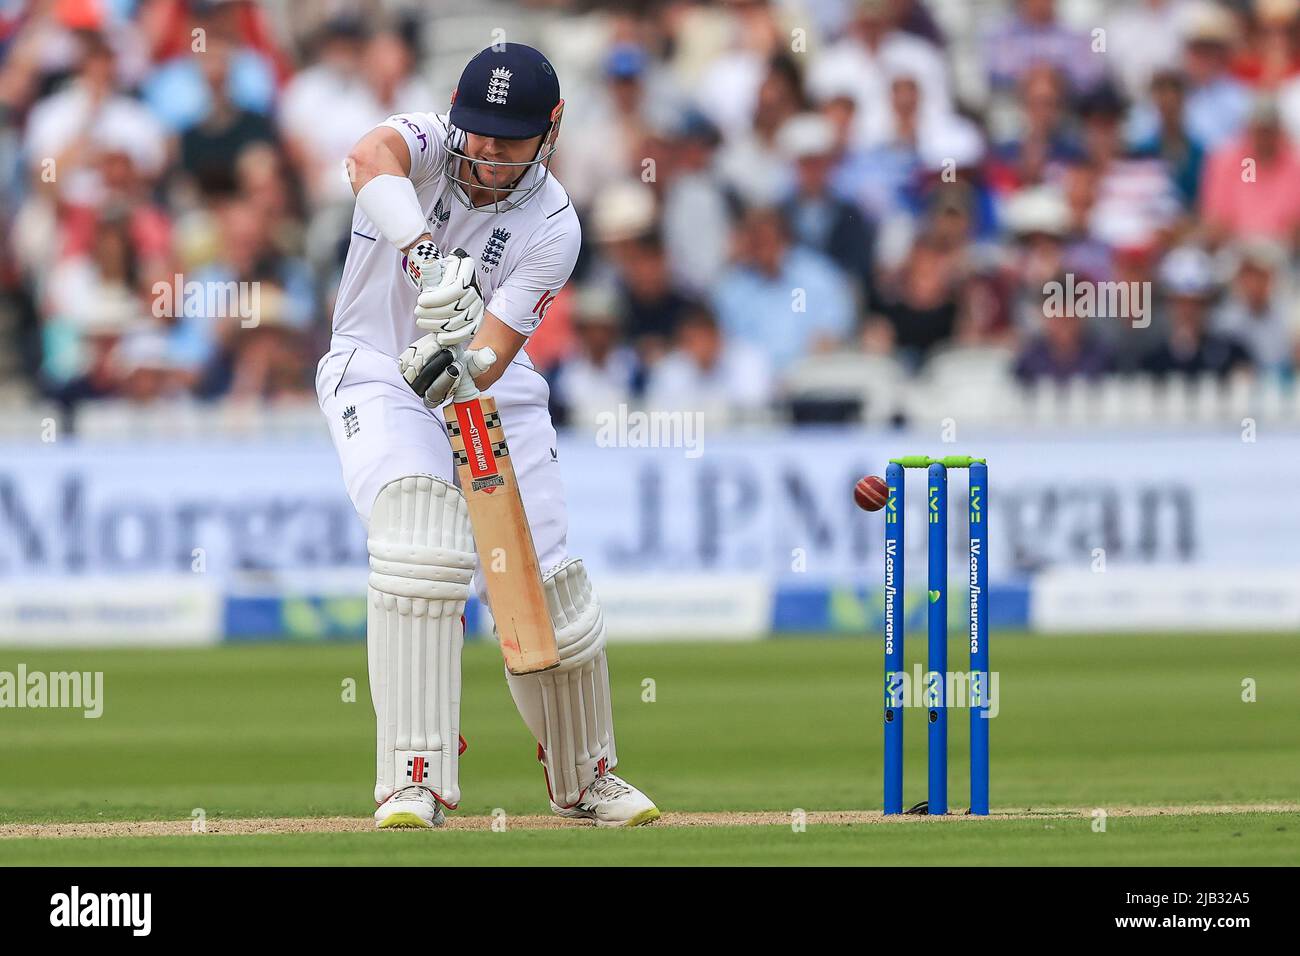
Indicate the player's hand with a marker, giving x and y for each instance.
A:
(411, 364)
(418, 355)
(472, 362)
(423, 265)
(453, 309)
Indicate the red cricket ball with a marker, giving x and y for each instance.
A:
(871, 493)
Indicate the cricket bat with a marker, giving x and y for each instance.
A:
(501, 534)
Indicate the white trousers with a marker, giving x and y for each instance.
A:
(382, 431)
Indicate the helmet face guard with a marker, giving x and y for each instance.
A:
(518, 191)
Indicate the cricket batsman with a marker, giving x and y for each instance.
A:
(461, 239)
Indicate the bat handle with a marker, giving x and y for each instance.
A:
(466, 390)
(437, 365)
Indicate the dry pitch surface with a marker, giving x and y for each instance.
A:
(255, 826)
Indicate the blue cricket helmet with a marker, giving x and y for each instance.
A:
(508, 91)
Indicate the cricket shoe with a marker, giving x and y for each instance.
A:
(612, 802)
(410, 808)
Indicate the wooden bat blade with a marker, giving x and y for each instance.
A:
(502, 536)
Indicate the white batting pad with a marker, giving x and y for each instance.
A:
(421, 563)
(568, 708)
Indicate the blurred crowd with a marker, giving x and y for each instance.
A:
(760, 183)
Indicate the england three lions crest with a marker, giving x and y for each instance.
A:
(493, 249)
(499, 86)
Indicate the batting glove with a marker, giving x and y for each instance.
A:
(423, 265)
(412, 362)
(453, 309)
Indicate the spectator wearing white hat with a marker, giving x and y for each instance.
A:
(1218, 104)
(1187, 285)
(818, 218)
(1038, 220)
(637, 266)
(623, 210)
(1259, 309)
(147, 369)
(105, 323)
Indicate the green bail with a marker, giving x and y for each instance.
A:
(925, 461)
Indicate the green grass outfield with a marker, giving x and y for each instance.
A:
(1086, 722)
